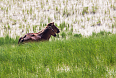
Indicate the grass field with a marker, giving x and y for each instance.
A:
(73, 53)
(91, 57)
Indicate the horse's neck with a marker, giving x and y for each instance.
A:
(45, 35)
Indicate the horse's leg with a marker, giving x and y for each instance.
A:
(26, 38)
(20, 40)
(23, 38)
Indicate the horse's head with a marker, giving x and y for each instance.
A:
(56, 30)
(51, 31)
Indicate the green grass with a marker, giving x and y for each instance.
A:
(7, 40)
(91, 57)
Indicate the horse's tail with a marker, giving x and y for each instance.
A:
(21, 39)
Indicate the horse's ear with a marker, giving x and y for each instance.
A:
(49, 24)
(53, 23)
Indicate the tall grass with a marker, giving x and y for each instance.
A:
(8, 40)
(91, 57)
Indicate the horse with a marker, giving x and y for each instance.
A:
(56, 30)
(36, 35)
(41, 36)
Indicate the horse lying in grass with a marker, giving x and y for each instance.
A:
(43, 35)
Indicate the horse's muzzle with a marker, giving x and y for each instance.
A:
(58, 31)
(54, 35)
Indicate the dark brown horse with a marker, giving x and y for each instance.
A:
(56, 30)
(37, 35)
(41, 36)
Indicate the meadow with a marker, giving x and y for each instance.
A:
(84, 48)
(82, 57)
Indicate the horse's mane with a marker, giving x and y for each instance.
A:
(42, 32)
